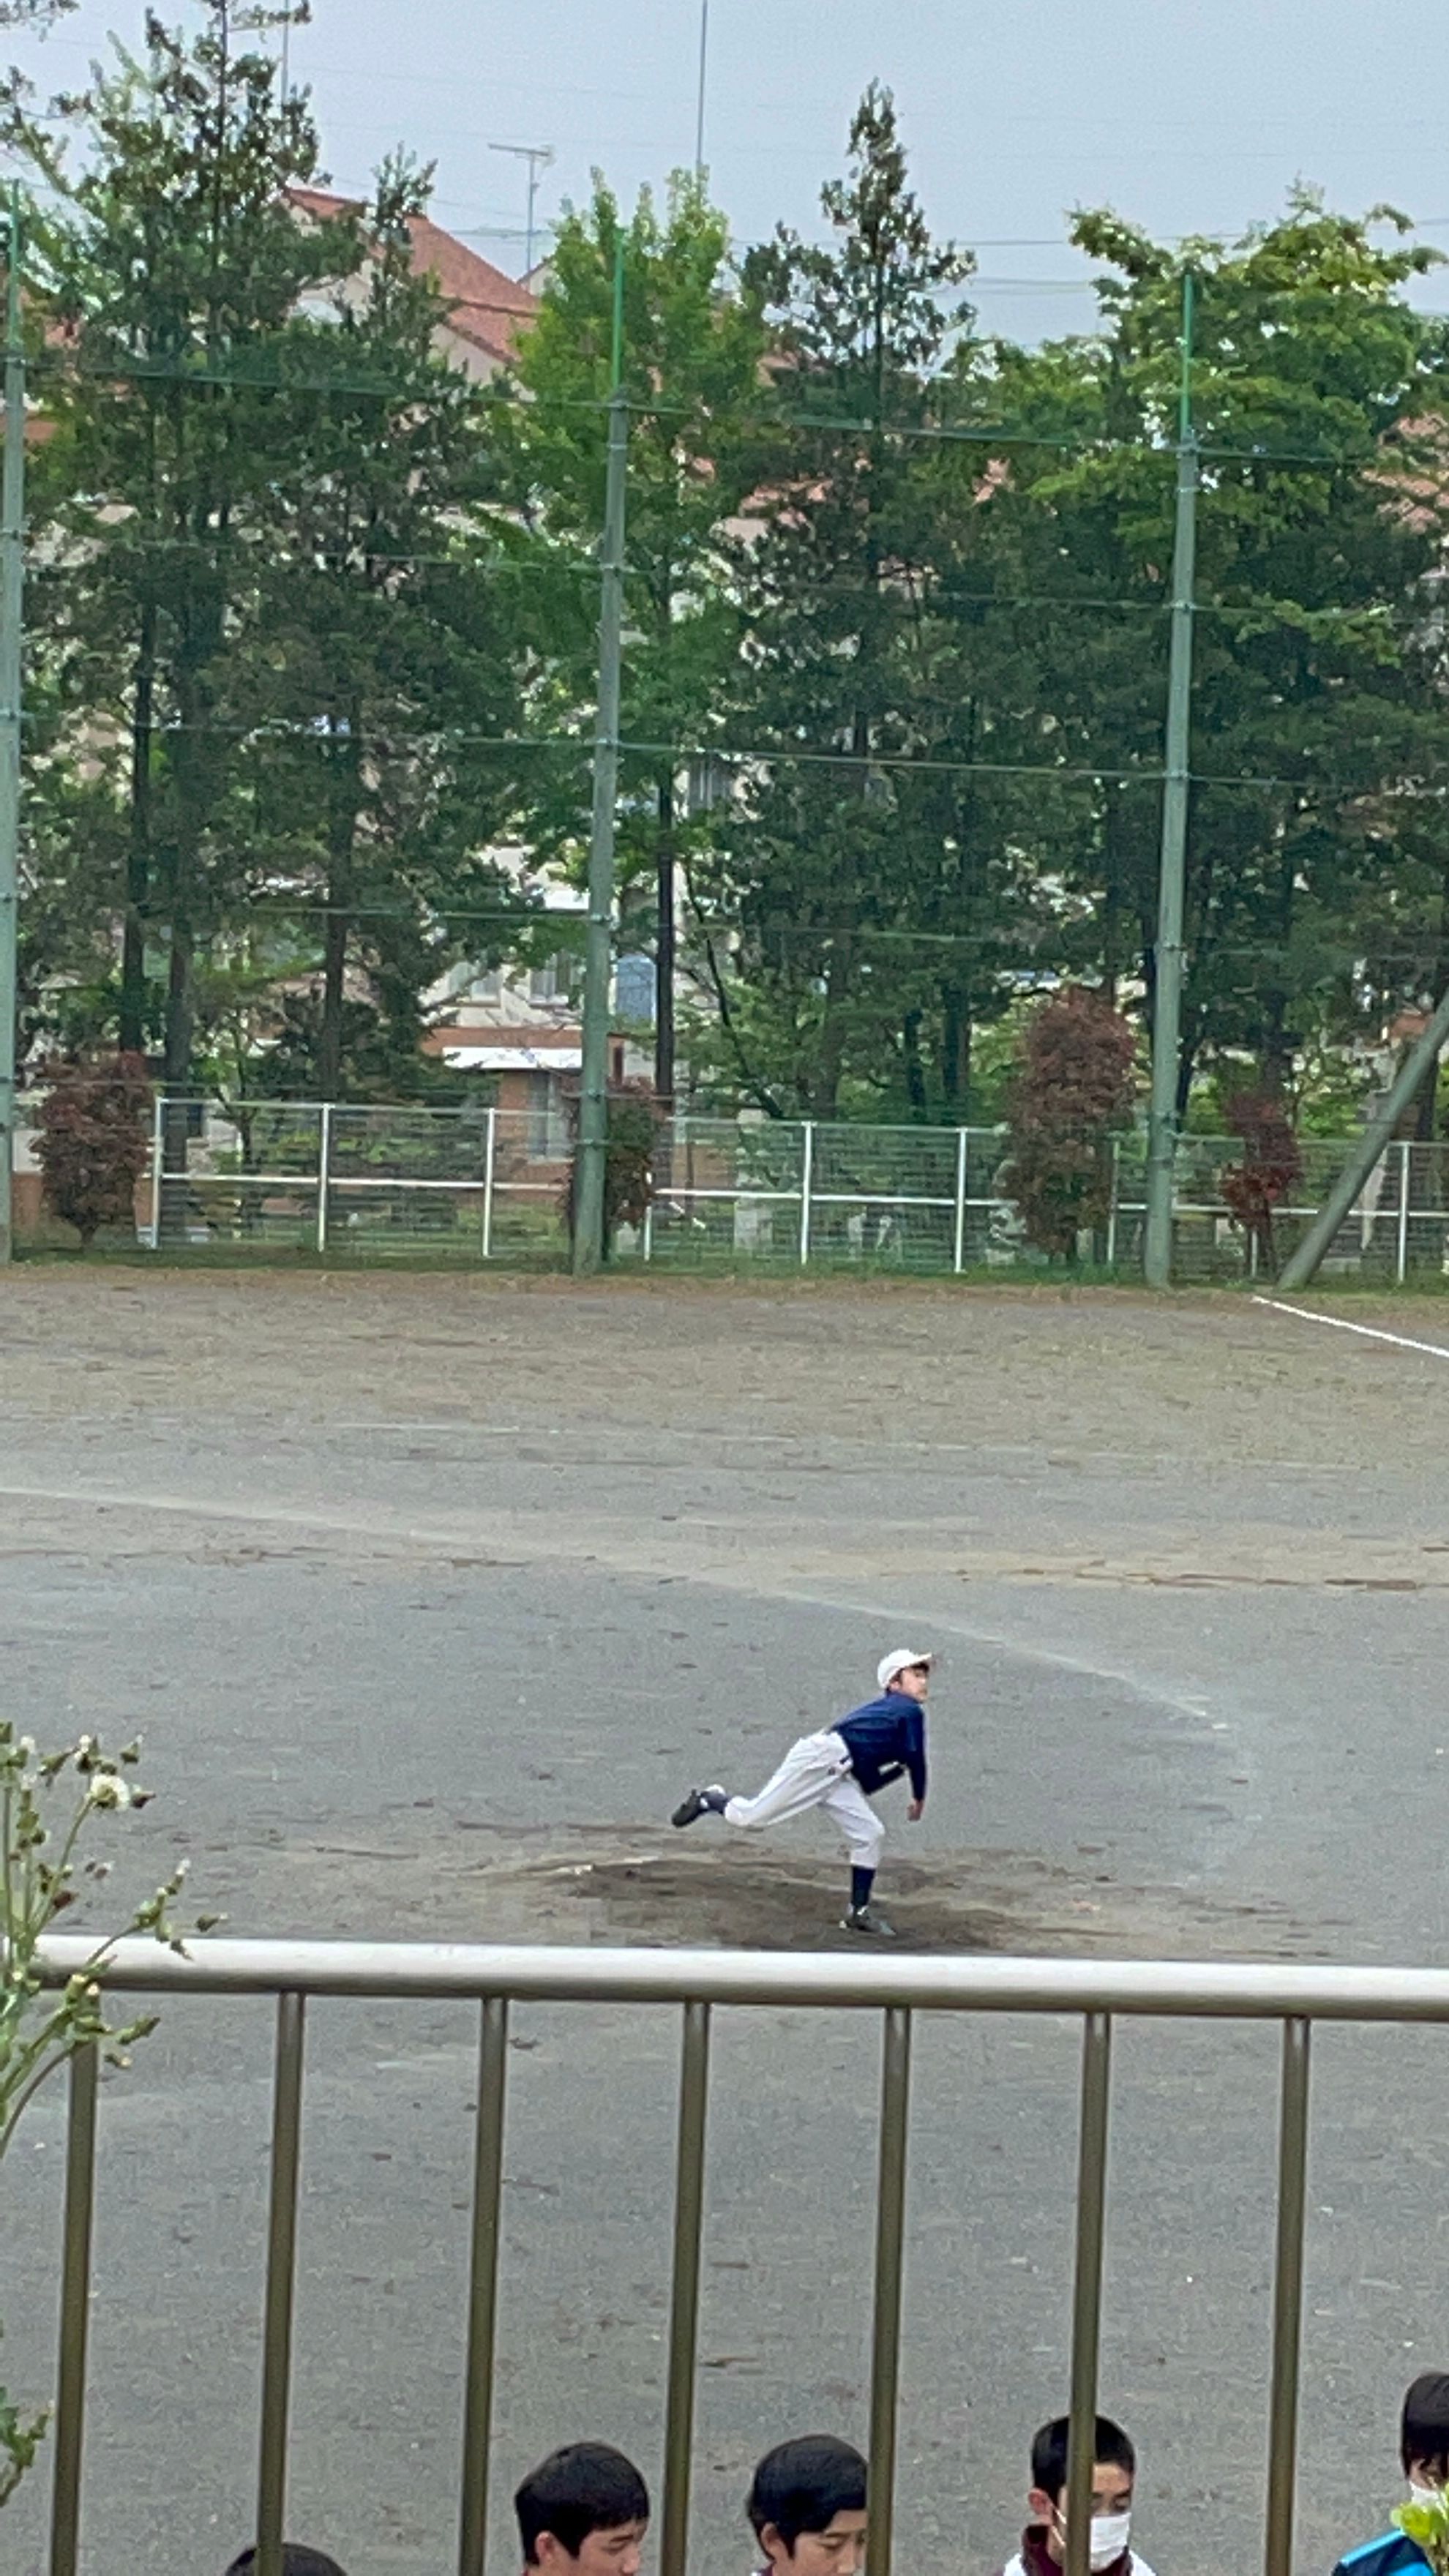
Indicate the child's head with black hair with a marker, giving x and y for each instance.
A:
(584, 2509)
(1424, 2432)
(296, 2561)
(1114, 2471)
(807, 2505)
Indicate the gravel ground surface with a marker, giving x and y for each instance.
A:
(431, 1594)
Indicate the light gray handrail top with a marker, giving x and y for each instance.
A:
(1266, 1991)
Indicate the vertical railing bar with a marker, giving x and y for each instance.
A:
(158, 1155)
(1287, 2298)
(958, 1256)
(324, 1172)
(483, 2282)
(649, 1231)
(1087, 2286)
(490, 1150)
(1112, 1199)
(890, 2225)
(75, 2295)
(807, 1173)
(1401, 1267)
(684, 2295)
(281, 2283)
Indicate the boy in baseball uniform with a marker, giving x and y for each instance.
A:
(842, 1769)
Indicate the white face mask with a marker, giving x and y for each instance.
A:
(1424, 2495)
(1110, 2535)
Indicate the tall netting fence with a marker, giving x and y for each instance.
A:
(479, 1184)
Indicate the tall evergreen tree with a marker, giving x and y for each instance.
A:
(821, 869)
(174, 271)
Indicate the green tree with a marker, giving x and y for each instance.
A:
(174, 269)
(1317, 683)
(388, 617)
(693, 351)
(834, 867)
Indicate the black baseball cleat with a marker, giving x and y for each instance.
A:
(865, 1920)
(700, 1802)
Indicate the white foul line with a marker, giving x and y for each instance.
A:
(1340, 1323)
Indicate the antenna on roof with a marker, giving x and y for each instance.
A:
(539, 156)
(703, 79)
(291, 15)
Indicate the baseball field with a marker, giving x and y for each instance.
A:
(431, 1595)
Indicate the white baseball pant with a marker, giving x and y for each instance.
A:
(816, 1772)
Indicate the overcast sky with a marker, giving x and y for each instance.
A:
(1187, 115)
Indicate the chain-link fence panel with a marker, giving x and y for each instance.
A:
(244, 1173)
(728, 1191)
(481, 1184)
(884, 1197)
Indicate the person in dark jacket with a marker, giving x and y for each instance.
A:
(1424, 2458)
(841, 1770)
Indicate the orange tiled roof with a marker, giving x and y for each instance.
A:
(484, 306)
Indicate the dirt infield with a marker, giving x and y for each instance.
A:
(1114, 1370)
(1232, 1413)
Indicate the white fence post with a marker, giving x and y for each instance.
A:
(490, 1153)
(324, 1160)
(807, 1166)
(1401, 1268)
(649, 1231)
(958, 1254)
(158, 1149)
(1112, 1203)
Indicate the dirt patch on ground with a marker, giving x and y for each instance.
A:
(604, 1884)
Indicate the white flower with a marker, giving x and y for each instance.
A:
(106, 1791)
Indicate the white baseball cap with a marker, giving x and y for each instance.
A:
(896, 1662)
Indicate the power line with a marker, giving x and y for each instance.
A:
(453, 386)
(385, 739)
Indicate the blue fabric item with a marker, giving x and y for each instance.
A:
(861, 1883)
(884, 1738)
(1384, 2557)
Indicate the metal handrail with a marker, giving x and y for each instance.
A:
(494, 1975)
(1271, 1991)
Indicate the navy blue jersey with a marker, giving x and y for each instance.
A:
(884, 1738)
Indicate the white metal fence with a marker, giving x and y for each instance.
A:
(481, 1184)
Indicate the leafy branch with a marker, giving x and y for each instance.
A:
(43, 1862)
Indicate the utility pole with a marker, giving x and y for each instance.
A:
(1167, 976)
(703, 76)
(539, 156)
(1301, 1264)
(12, 581)
(599, 948)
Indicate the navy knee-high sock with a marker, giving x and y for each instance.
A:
(861, 1883)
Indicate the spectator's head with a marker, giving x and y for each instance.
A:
(1424, 2438)
(807, 2505)
(1114, 2469)
(583, 2512)
(296, 2561)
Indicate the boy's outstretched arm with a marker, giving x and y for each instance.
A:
(916, 1764)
